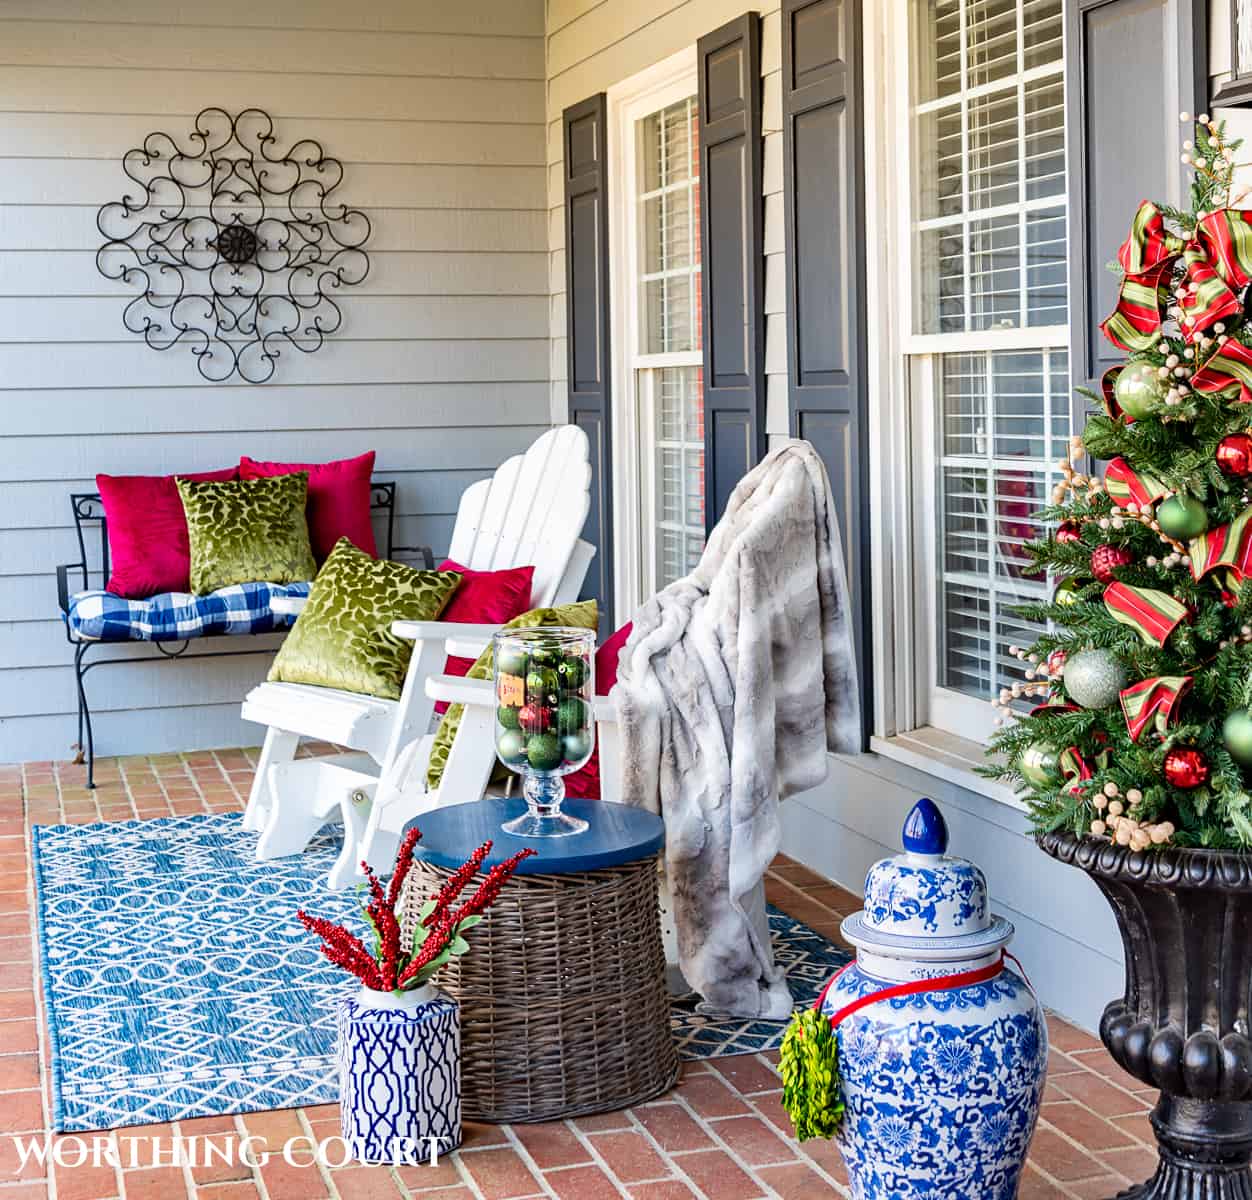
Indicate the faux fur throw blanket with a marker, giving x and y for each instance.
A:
(735, 683)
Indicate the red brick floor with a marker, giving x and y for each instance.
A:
(721, 1134)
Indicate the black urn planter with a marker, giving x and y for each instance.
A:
(1183, 1025)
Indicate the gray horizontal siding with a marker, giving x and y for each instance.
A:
(441, 366)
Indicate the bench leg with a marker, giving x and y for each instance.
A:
(84, 714)
(280, 747)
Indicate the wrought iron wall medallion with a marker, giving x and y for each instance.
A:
(237, 248)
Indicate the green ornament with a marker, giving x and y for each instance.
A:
(576, 747)
(511, 746)
(1067, 590)
(508, 717)
(1182, 517)
(573, 673)
(1040, 763)
(1093, 678)
(571, 715)
(546, 654)
(513, 662)
(543, 752)
(542, 681)
(1139, 390)
(1237, 732)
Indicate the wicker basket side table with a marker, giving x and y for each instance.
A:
(564, 1008)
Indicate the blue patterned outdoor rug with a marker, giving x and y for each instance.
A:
(179, 984)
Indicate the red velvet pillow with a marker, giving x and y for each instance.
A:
(339, 499)
(584, 784)
(483, 598)
(148, 547)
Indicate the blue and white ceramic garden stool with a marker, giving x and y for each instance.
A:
(399, 1059)
(942, 1087)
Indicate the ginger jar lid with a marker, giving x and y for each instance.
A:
(923, 903)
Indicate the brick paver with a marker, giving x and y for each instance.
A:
(720, 1135)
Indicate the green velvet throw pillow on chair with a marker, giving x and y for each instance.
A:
(247, 531)
(583, 614)
(343, 637)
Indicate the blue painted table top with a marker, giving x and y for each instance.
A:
(618, 834)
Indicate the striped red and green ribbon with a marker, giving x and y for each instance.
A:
(1075, 769)
(1151, 614)
(1227, 369)
(1152, 700)
(1124, 484)
(1147, 257)
(1218, 260)
(1226, 547)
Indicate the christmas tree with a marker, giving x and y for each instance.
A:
(1141, 686)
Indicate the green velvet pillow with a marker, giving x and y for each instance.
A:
(582, 614)
(343, 637)
(247, 531)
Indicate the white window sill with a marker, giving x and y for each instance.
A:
(947, 757)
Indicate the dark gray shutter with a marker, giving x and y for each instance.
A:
(1131, 67)
(583, 129)
(732, 286)
(823, 195)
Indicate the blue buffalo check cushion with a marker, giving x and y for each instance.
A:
(97, 616)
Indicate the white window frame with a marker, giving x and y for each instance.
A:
(633, 416)
(904, 426)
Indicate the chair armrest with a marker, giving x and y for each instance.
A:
(288, 606)
(426, 631)
(459, 689)
(467, 647)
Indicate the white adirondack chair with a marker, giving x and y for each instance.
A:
(530, 512)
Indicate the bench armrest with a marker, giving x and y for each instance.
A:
(459, 689)
(288, 606)
(63, 583)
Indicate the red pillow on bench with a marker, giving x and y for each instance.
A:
(483, 598)
(584, 784)
(148, 548)
(339, 499)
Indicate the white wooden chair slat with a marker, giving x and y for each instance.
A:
(530, 512)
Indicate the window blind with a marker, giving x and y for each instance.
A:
(990, 248)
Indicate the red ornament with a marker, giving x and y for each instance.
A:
(1105, 558)
(1234, 455)
(1229, 599)
(1068, 531)
(1186, 768)
(534, 718)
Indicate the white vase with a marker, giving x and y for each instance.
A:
(399, 1060)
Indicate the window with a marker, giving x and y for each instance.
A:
(667, 372)
(659, 403)
(987, 358)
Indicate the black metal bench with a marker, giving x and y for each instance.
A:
(89, 519)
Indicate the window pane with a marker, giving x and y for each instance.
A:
(678, 401)
(991, 39)
(669, 218)
(1004, 422)
(989, 165)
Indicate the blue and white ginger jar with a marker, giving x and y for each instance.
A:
(399, 1060)
(942, 1088)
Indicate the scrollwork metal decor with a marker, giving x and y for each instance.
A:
(236, 247)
